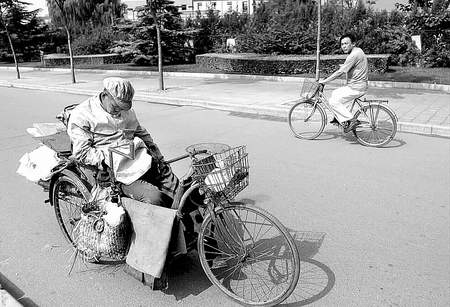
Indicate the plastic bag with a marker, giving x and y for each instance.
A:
(38, 164)
(218, 179)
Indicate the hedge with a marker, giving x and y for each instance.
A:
(93, 59)
(251, 63)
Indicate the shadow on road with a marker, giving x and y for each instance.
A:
(186, 277)
(349, 137)
(316, 279)
(15, 292)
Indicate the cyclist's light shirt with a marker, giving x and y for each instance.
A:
(356, 68)
(92, 130)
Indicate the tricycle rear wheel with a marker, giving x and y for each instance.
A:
(68, 195)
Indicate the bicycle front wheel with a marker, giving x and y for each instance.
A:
(249, 255)
(307, 119)
(378, 125)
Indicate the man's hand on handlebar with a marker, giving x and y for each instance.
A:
(103, 175)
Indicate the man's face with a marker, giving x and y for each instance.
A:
(347, 45)
(111, 105)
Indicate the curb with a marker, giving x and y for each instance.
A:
(380, 84)
(280, 112)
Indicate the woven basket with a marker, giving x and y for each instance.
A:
(95, 238)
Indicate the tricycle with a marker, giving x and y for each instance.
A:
(244, 250)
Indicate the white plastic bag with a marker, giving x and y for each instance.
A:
(38, 164)
(114, 214)
(220, 177)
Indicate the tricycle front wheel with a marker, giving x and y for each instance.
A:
(249, 255)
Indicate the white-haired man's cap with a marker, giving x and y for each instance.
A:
(121, 90)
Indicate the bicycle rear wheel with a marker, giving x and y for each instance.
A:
(68, 196)
(249, 255)
(307, 119)
(378, 125)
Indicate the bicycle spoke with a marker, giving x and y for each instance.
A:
(376, 115)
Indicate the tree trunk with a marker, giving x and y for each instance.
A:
(69, 42)
(12, 50)
(160, 62)
(158, 39)
(318, 42)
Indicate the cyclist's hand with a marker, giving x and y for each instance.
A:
(321, 85)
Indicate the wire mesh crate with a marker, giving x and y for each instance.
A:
(222, 175)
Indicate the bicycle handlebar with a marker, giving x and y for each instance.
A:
(197, 152)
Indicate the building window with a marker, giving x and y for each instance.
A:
(244, 7)
(183, 7)
(230, 6)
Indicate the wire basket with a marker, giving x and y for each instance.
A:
(222, 175)
(308, 88)
(211, 148)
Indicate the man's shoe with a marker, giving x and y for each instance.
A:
(334, 121)
(351, 124)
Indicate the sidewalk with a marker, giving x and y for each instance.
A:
(421, 108)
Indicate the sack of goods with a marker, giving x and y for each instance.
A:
(38, 164)
(104, 229)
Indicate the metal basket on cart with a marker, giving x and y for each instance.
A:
(222, 175)
(309, 88)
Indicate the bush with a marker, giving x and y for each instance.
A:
(8, 57)
(436, 56)
(250, 63)
(99, 41)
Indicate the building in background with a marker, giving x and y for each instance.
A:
(190, 8)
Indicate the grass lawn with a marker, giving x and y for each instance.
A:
(440, 75)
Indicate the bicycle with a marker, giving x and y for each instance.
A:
(244, 250)
(307, 118)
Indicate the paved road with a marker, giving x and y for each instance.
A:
(419, 110)
(384, 212)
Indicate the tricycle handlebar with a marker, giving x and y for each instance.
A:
(187, 156)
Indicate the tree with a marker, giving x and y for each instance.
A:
(84, 15)
(157, 36)
(65, 17)
(13, 11)
(152, 6)
(430, 20)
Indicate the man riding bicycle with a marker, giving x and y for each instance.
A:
(356, 70)
(106, 120)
